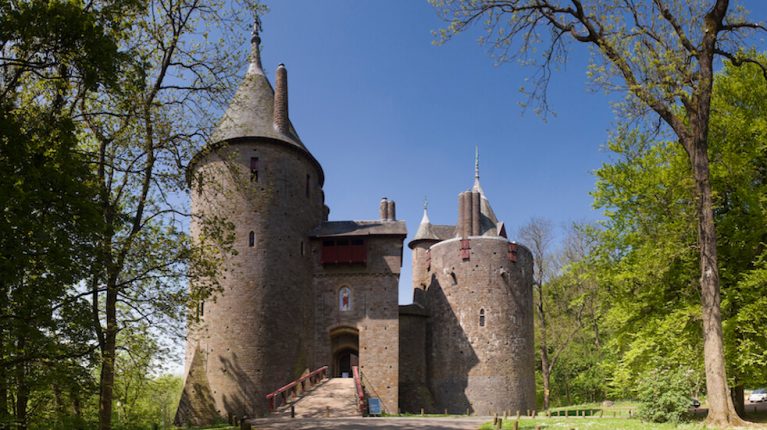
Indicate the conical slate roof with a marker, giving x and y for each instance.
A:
(251, 112)
(432, 232)
(425, 230)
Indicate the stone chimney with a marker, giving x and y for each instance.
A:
(281, 119)
(391, 210)
(383, 209)
(475, 214)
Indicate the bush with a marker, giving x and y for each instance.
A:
(664, 395)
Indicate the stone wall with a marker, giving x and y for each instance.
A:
(373, 313)
(483, 367)
(413, 392)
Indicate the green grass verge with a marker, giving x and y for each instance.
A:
(592, 424)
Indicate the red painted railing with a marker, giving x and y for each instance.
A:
(291, 390)
(360, 392)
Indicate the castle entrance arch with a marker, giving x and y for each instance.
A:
(345, 345)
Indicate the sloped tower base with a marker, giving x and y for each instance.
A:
(196, 407)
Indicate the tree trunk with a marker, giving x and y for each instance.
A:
(77, 409)
(738, 399)
(22, 390)
(545, 369)
(106, 383)
(721, 412)
(4, 415)
(546, 378)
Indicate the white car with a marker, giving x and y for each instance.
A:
(758, 396)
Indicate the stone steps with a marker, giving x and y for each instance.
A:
(333, 398)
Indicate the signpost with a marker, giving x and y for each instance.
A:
(374, 406)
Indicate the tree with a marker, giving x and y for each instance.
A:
(661, 53)
(538, 235)
(647, 253)
(140, 139)
(49, 222)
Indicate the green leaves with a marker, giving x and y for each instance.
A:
(648, 251)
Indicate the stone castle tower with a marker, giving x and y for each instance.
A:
(304, 292)
(257, 334)
(475, 288)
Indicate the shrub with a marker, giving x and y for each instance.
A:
(664, 395)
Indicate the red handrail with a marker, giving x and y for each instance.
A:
(360, 392)
(291, 389)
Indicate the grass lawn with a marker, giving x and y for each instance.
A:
(609, 423)
(592, 424)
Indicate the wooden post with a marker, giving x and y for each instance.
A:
(467, 412)
(629, 413)
(495, 420)
(499, 426)
(421, 411)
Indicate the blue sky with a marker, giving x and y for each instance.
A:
(388, 113)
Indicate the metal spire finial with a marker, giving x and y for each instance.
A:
(425, 203)
(255, 47)
(476, 161)
(477, 187)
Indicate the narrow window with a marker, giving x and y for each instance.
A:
(308, 181)
(453, 279)
(252, 239)
(481, 317)
(254, 169)
(302, 248)
(202, 308)
(344, 299)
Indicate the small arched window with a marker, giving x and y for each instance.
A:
(481, 317)
(252, 239)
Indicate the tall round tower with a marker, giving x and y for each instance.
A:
(257, 333)
(480, 346)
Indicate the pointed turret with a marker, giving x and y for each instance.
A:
(425, 231)
(252, 110)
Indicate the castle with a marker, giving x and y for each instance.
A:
(304, 292)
